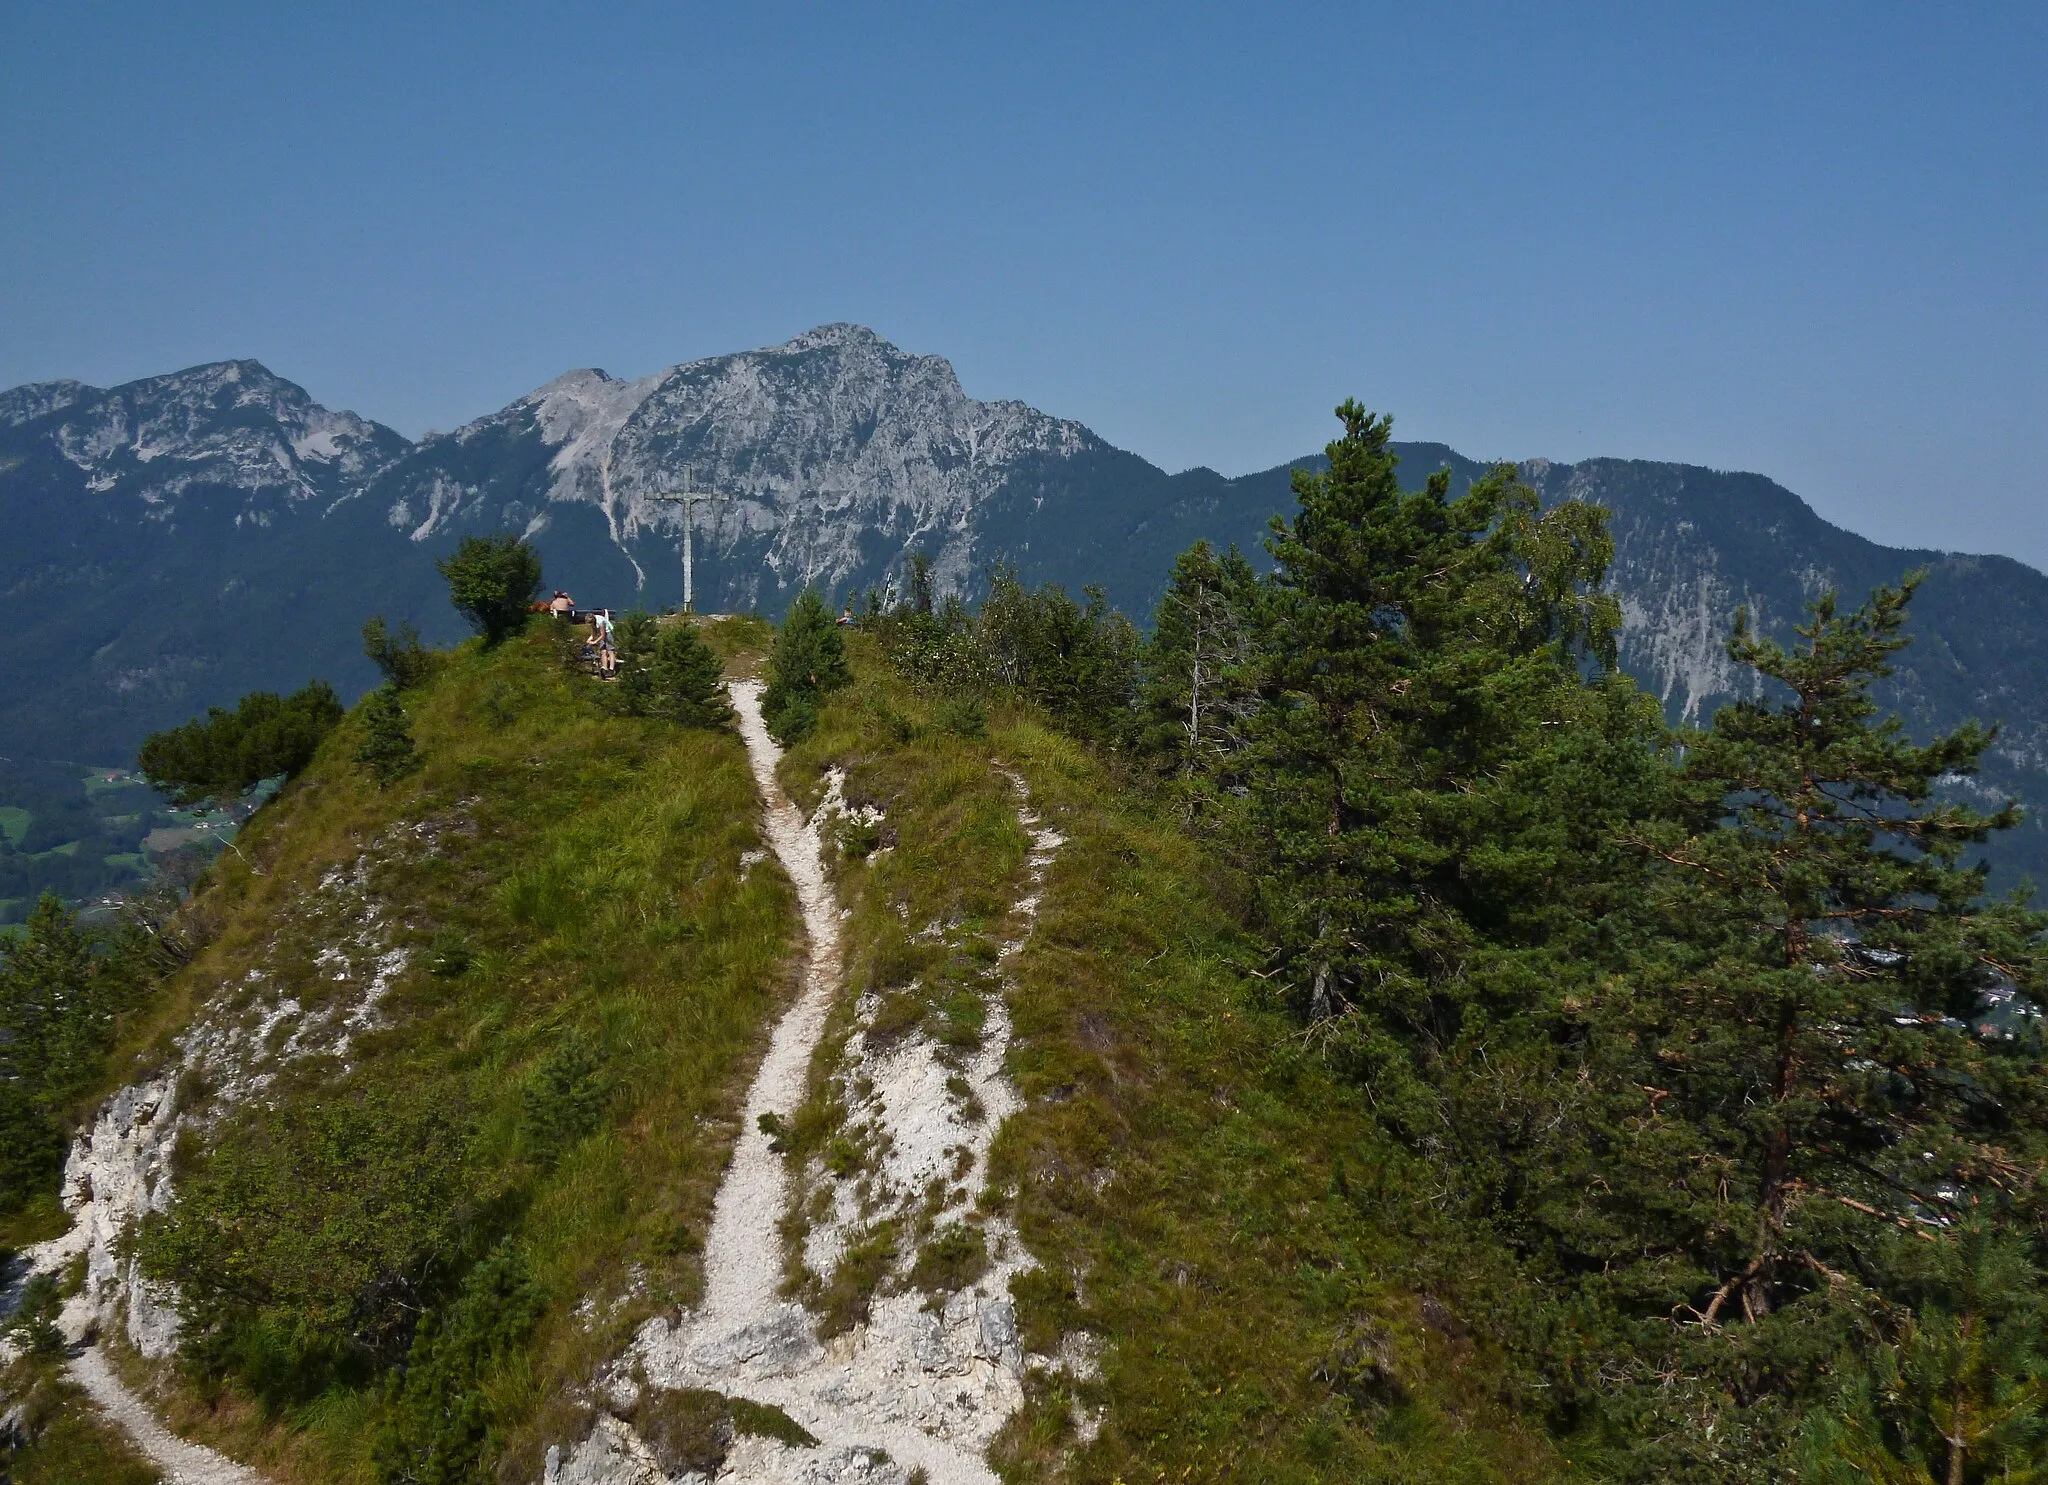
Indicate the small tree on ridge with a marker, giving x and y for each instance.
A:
(491, 582)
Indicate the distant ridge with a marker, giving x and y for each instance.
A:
(192, 536)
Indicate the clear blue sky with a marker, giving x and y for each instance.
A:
(1806, 240)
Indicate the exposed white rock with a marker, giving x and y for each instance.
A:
(119, 1169)
(819, 442)
(229, 425)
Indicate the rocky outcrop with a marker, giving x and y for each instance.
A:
(232, 426)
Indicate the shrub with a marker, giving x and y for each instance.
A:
(305, 1249)
(862, 1270)
(689, 683)
(954, 1258)
(62, 990)
(808, 664)
(398, 653)
(265, 736)
(439, 1423)
(634, 692)
(963, 716)
(564, 1098)
(491, 582)
(33, 1325)
(387, 748)
(793, 721)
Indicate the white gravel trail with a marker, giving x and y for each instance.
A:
(182, 1461)
(743, 1253)
(907, 1391)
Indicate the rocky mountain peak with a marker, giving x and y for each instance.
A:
(231, 426)
(818, 443)
(25, 404)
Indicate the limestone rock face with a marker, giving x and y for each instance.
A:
(118, 1172)
(231, 427)
(835, 451)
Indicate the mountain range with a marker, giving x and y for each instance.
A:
(179, 540)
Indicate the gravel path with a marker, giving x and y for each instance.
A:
(913, 1391)
(742, 1254)
(183, 1462)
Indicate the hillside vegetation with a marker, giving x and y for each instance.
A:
(571, 965)
(1414, 1060)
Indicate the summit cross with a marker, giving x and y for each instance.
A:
(689, 500)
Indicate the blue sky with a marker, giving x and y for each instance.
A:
(1806, 240)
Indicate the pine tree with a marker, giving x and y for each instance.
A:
(387, 748)
(807, 664)
(1958, 1392)
(1195, 700)
(1814, 1026)
(1791, 1081)
(1411, 644)
(636, 634)
(688, 681)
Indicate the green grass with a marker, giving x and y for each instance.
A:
(69, 1443)
(14, 822)
(1203, 1195)
(580, 933)
(592, 979)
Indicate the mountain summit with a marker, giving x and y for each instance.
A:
(828, 446)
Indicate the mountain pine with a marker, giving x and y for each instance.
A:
(689, 682)
(387, 748)
(807, 664)
(230, 752)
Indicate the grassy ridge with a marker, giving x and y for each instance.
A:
(591, 969)
(1204, 1197)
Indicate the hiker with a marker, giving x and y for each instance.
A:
(562, 606)
(846, 615)
(607, 643)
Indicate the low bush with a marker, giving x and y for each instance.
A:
(387, 748)
(439, 1424)
(398, 652)
(304, 1255)
(230, 752)
(951, 1259)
